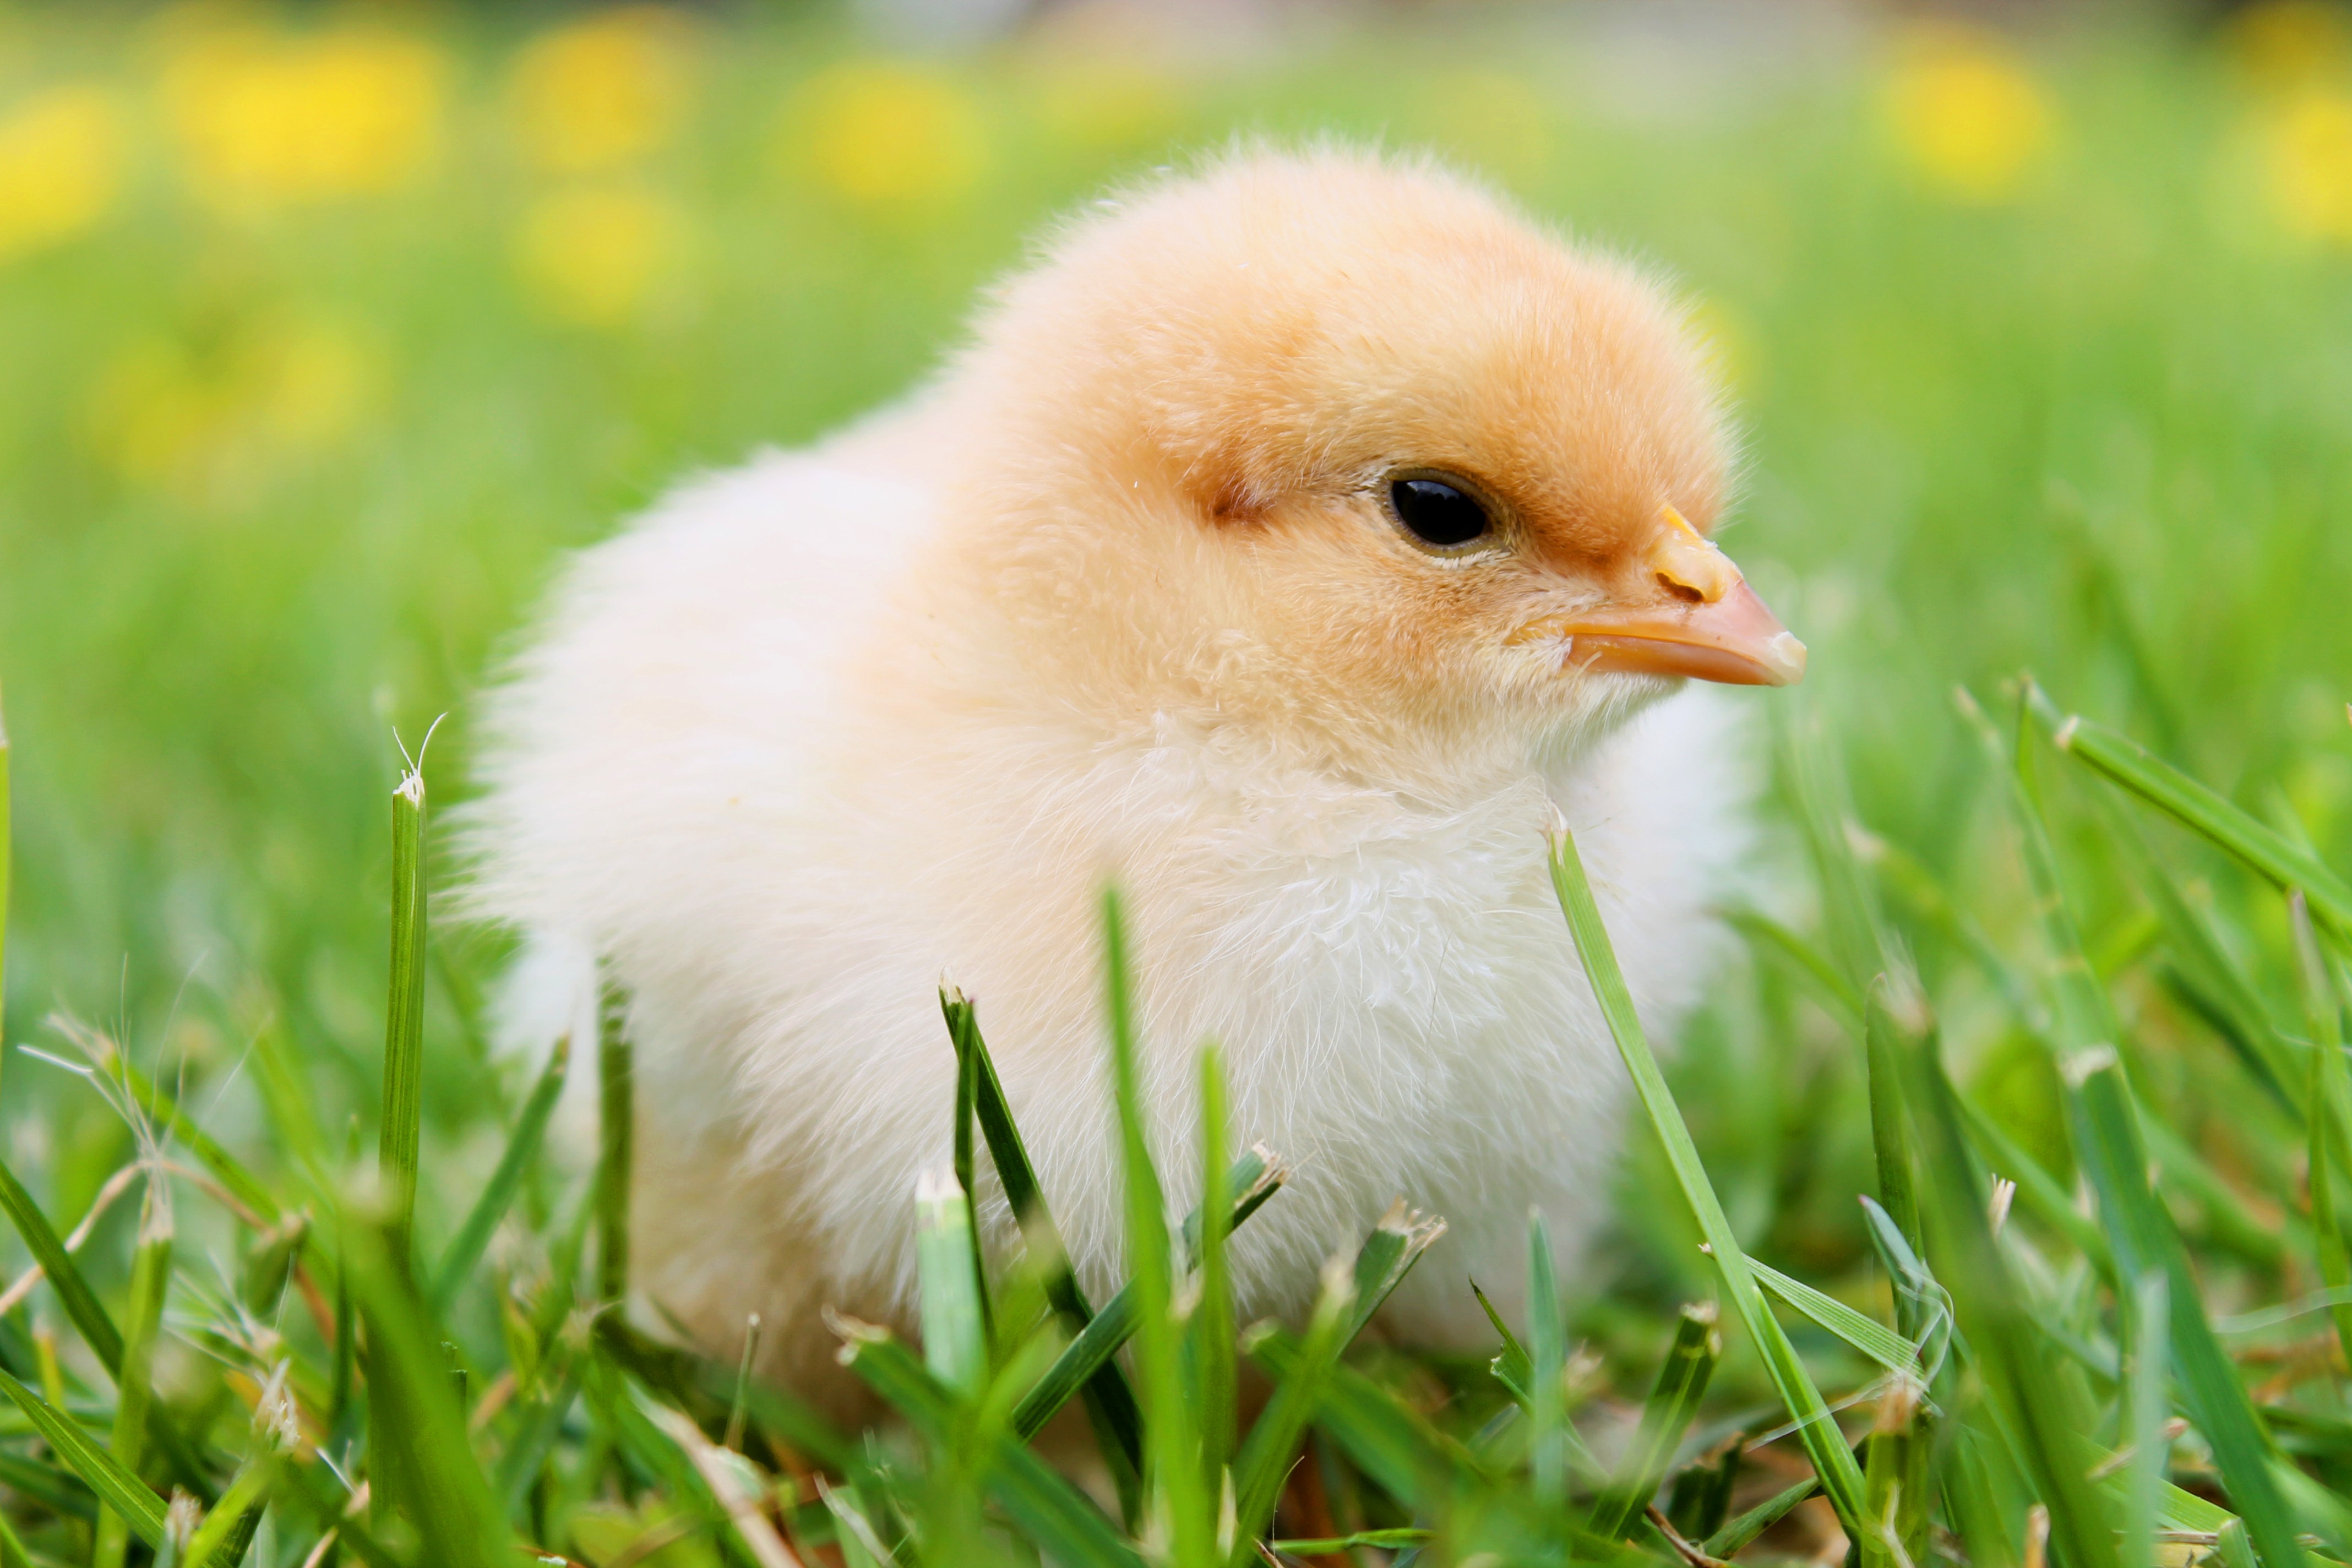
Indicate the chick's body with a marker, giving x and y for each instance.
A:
(1127, 593)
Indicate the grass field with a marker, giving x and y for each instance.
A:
(322, 340)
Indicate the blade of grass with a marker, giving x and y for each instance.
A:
(955, 1345)
(1890, 1133)
(2040, 1190)
(1388, 1255)
(117, 1487)
(1759, 1519)
(228, 1530)
(1110, 1405)
(1875, 1340)
(617, 1136)
(1547, 1368)
(466, 1248)
(404, 1043)
(1513, 1367)
(151, 1278)
(1272, 1445)
(1387, 1439)
(1666, 1416)
(2040, 1420)
(1810, 966)
(414, 1409)
(2146, 1409)
(2114, 1151)
(2330, 1099)
(1067, 1528)
(1171, 1436)
(1212, 1336)
(1256, 1179)
(1841, 1478)
(966, 1165)
(2124, 762)
(64, 1276)
(5, 852)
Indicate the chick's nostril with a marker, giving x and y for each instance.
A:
(1681, 590)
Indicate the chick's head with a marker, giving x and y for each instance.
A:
(1349, 449)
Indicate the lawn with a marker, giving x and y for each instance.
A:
(325, 333)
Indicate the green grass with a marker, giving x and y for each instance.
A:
(2100, 430)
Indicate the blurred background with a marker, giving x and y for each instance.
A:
(325, 329)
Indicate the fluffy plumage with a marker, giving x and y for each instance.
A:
(1122, 592)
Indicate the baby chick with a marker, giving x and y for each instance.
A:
(1286, 544)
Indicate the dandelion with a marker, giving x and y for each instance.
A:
(265, 120)
(60, 166)
(1970, 114)
(2304, 149)
(603, 93)
(590, 257)
(884, 133)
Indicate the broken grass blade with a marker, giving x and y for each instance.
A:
(955, 1345)
(473, 1237)
(404, 1041)
(1841, 1477)
(1388, 1255)
(1666, 1416)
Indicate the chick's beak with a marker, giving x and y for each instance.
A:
(1706, 622)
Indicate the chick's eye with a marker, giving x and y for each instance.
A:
(1438, 513)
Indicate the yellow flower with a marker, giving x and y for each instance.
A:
(603, 92)
(591, 257)
(1970, 114)
(2290, 44)
(60, 166)
(264, 121)
(213, 428)
(887, 133)
(2305, 150)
